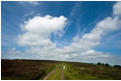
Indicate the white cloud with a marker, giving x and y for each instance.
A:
(37, 31)
(82, 47)
(92, 39)
(29, 14)
(12, 53)
(75, 9)
(117, 8)
(34, 3)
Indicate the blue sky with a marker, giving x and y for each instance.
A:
(67, 35)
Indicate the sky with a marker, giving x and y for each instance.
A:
(77, 31)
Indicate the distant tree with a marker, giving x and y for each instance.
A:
(102, 64)
(98, 63)
(117, 66)
(107, 65)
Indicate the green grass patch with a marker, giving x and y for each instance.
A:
(56, 75)
(70, 73)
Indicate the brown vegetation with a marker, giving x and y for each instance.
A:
(25, 69)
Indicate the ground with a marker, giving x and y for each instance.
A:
(53, 70)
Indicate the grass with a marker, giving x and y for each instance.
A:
(57, 73)
(84, 71)
(87, 76)
(70, 73)
(36, 69)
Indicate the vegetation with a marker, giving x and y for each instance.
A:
(57, 73)
(25, 69)
(85, 71)
(117, 66)
(38, 69)
(102, 64)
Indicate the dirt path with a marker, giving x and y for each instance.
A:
(49, 75)
(62, 73)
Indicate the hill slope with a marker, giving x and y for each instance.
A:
(39, 69)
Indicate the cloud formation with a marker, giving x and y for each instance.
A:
(37, 31)
(34, 3)
(117, 9)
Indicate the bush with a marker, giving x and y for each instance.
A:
(117, 66)
(98, 63)
(107, 65)
(102, 64)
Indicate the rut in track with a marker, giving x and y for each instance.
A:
(62, 73)
(48, 75)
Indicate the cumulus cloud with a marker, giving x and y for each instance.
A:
(117, 8)
(37, 32)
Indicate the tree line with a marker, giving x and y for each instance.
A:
(108, 65)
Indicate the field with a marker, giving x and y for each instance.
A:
(52, 70)
(25, 69)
